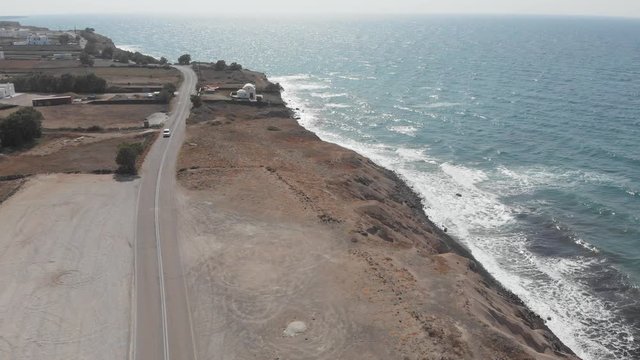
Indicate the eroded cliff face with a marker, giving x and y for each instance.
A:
(431, 300)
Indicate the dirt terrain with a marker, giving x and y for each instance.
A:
(105, 116)
(66, 268)
(115, 75)
(278, 226)
(68, 152)
(9, 187)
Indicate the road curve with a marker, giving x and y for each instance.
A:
(162, 327)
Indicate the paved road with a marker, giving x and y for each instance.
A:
(162, 327)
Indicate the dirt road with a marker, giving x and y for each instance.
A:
(65, 268)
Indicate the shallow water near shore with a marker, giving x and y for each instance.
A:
(520, 133)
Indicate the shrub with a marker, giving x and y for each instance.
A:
(220, 65)
(196, 101)
(89, 83)
(184, 59)
(170, 87)
(95, 128)
(235, 66)
(127, 156)
(271, 87)
(107, 53)
(64, 39)
(85, 59)
(21, 127)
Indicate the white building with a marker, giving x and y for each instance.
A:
(248, 92)
(7, 90)
(37, 39)
(1, 55)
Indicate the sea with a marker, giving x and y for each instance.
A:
(534, 121)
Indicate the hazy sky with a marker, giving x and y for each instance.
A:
(629, 8)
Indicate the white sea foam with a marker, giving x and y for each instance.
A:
(405, 130)
(414, 155)
(328, 95)
(438, 105)
(516, 181)
(336, 106)
(130, 47)
(548, 285)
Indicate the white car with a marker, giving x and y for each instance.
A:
(166, 132)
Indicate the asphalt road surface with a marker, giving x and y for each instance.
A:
(162, 327)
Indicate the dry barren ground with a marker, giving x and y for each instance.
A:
(69, 153)
(65, 268)
(277, 226)
(105, 116)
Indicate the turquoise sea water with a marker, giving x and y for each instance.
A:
(534, 120)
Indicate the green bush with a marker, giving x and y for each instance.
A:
(85, 59)
(235, 66)
(44, 83)
(184, 59)
(220, 65)
(21, 127)
(127, 156)
(196, 101)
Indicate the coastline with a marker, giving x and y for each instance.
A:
(235, 153)
(381, 227)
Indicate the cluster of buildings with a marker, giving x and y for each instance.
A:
(34, 39)
(7, 90)
(24, 36)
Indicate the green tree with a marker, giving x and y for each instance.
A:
(91, 47)
(235, 66)
(122, 57)
(85, 59)
(184, 59)
(21, 127)
(170, 87)
(165, 96)
(127, 157)
(196, 101)
(64, 39)
(107, 53)
(220, 65)
(163, 61)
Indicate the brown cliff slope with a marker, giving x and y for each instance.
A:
(269, 211)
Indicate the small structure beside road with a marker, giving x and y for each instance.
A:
(7, 90)
(247, 93)
(52, 101)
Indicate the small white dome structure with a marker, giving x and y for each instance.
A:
(248, 92)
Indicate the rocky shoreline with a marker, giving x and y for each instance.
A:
(415, 288)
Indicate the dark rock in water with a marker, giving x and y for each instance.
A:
(458, 195)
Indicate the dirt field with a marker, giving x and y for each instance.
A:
(126, 75)
(68, 152)
(278, 226)
(9, 187)
(105, 116)
(66, 268)
(116, 75)
(234, 79)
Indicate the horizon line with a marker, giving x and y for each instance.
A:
(328, 14)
